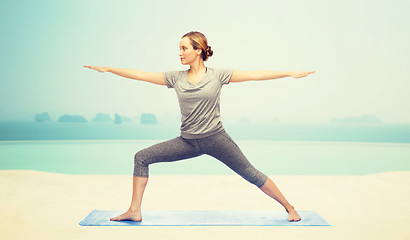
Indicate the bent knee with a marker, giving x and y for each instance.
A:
(256, 177)
(140, 165)
(139, 158)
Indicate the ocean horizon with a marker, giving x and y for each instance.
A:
(25, 130)
(106, 157)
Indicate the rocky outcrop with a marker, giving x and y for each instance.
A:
(72, 118)
(148, 118)
(102, 117)
(42, 117)
(118, 119)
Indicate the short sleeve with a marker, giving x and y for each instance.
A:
(171, 77)
(224, 74)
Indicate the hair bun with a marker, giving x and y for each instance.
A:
(209, 52)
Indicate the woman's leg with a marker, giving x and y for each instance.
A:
(168, 151)
(134, 212)
(222, 147)
(273, 191)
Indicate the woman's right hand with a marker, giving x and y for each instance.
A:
(100, 69)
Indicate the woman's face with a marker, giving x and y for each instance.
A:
(187, 53)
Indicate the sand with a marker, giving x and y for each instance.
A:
(42, 205)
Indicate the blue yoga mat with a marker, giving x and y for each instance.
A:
(206, 218)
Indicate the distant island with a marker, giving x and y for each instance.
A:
(362, 119)
(42, 117)
(118, 119)
(72, 118)
(102, 117)
(148, 118)
(145, 118)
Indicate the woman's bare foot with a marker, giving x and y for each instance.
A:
(293, 215)
(128, 216)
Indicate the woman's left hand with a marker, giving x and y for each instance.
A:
(301, 74)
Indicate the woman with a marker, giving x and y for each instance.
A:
(198, 91)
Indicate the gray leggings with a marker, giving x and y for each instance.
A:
(219, 145)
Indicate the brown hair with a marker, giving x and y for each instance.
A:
(198, 41)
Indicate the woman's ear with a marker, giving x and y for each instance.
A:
(198, 51)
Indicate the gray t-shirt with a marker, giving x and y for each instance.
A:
(199, 102)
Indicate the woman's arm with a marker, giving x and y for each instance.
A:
(156, 78)
(242, 76)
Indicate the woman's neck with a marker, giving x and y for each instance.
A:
(197, 67)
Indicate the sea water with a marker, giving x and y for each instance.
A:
(270, 156)
(14, 130)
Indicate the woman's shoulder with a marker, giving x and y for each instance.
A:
(224, 74)
(219, 70)
(175, 73)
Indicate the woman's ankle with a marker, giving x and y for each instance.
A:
(134, 210)
(290, 208)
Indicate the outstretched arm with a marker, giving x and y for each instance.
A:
(243, 76)
(156, 78)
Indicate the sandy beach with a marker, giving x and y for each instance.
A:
(43, 205)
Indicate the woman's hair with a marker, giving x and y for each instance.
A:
(198, 41)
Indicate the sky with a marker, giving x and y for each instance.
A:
(358, 48)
